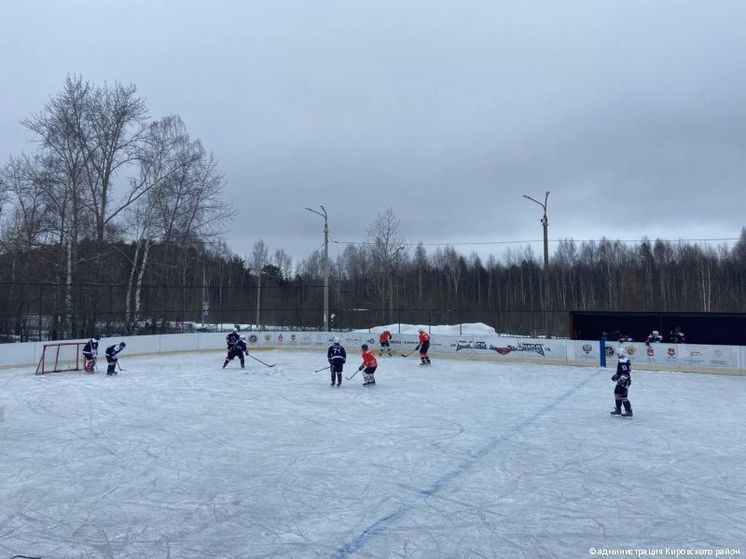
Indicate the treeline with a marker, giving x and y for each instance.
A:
(380, 282)
(658, 275)
(113, 223)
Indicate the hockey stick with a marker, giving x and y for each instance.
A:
(322, 369)
(410, 353)
(353, 374)
(260, 361)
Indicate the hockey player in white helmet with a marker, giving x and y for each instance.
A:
(90, 353)
(654, 338)
(236, 349)
(112, 357)
(623, 379)
(337, 356)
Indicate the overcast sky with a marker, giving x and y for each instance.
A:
(632, 113)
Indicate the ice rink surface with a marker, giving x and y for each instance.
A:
(178, 458)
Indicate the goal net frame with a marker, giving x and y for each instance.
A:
(60, 357)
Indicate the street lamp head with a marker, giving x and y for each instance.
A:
(544, 205)
(324, 215)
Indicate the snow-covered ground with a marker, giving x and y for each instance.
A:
(467, 329)
(178, 458)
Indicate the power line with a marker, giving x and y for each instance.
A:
(527, 241)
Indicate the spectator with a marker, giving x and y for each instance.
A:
(654, 338)
(677, 336)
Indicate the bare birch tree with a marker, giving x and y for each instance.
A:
(182, 203)
(259, 257)
(284, 263)
(114, 128)
(60, 129)
(386, 248)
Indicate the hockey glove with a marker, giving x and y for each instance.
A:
(361, 367)
(614, 378)
(417, 347)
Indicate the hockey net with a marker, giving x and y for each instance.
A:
(57, 357)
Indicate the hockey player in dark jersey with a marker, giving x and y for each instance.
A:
(235, 349)
(232, 338)
(337, 357)
(112, 357)
(623, 379)
(90, 352)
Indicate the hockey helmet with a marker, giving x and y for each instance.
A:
(235, 330)
(364, 346)
(335, 339)
(656, 333)
(420, 330)
(96, 337)
(122, 344)
(620, 352)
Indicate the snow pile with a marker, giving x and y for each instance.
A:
(471, 329)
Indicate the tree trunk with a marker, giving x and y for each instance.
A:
(130, 288)
(67, 326)
(140, 275)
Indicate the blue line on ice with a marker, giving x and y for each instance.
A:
(380, 525)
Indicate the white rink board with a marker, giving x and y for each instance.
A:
(670, 357)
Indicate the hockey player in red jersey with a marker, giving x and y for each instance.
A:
(384, 339)
(368, 366)
(423, 345)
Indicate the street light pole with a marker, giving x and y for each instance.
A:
(327, 326)
(545, 226)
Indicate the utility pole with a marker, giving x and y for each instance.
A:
(258, 296)
(546, 298)
(327, 326)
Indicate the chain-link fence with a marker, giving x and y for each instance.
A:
(38, 312)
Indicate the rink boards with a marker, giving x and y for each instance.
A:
(673, 357)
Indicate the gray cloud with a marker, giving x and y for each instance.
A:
(631, 113)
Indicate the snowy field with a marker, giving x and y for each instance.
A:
(178, 458)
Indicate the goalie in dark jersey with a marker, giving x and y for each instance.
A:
(90, 353)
